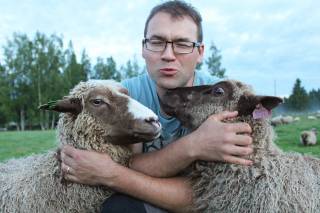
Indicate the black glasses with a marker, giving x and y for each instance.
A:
(179, 47)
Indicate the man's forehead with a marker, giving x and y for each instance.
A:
(164, 26)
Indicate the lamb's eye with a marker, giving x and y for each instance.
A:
(218, 91)
(97, 102)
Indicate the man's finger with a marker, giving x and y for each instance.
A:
(242, 140)
(68, 161)
(67, 170)
(241, 128)
(68, 150)
(237, 160)
(240, 151)
(224, 115)
(71, 178)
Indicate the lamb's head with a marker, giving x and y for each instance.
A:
(192, 105)
(103, 111)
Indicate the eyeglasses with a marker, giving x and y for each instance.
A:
(179, 47)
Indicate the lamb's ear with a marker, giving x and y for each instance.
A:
(269, 102)
(72, 105)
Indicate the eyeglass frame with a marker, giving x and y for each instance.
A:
(194, 44)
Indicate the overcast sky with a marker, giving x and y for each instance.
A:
(266, 43)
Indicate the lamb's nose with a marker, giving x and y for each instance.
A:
(154, 121)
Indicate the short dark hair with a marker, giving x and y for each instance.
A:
(177, 9)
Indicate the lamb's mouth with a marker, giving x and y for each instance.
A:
(147, 135)
(136, 137)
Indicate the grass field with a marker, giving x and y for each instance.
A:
(288, 136)
(17, 144)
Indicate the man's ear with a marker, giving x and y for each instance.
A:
(201, 53)
(269, 102)
(72, 105)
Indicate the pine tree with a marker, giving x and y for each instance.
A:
(4, 96)
(299, 99)
(73, 72)
(106, 70)
(314, 99)
(131, 69)
(214, 63)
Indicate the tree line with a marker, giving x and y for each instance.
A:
(36, 70)
(300, 100)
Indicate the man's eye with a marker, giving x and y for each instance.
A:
(156, 42)
(183, 44)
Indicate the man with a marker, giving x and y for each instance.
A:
(172, 48)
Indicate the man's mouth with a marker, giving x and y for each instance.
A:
(168, 71)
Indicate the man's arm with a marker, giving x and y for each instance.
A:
(88, 167)
(212, 141)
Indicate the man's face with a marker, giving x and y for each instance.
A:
(166, 68)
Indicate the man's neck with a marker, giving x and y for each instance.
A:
(160, 93)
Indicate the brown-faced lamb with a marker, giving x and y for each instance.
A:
(276, 182)
(96, 115)
(308, 137)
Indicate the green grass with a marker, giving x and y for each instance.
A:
(18, 144)
(289, 136)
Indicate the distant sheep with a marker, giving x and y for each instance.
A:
(279, 120)
(308, 137)
(287, 119)
(276, 121)
(312, 117)
(296, 119)
(276, 182)
(96, 115)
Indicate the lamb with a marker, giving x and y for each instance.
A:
(308, 137)
(312, 117)
(276, 182)
(287, 119)
(278, 120)
(275, 121)
(96, 116)
(296, 119)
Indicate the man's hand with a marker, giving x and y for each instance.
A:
(87, 167)
(218, 141)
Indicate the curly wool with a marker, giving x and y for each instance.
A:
(277, 182)
(33, 184)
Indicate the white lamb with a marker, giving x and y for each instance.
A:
(276, 182)
(312, 117)
(275, 121)
(308, 137)
(96, 114)
(296, 118)
(287, 119)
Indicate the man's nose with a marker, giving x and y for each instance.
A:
(168, 53)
